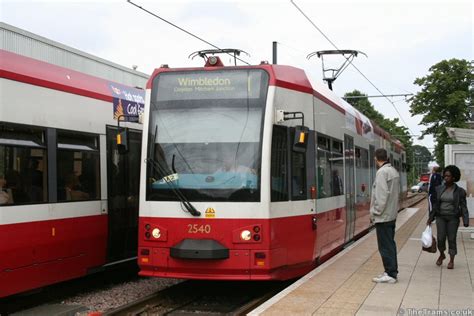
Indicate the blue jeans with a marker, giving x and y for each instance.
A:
(387, 247)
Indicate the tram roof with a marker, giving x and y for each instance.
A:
(32, 71)
(22, 42)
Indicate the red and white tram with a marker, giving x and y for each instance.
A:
(68, 200)
(252, 173)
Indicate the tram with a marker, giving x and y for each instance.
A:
(68, 199)
(251, 173)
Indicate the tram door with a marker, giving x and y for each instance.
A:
(349, 185)
(123, 177)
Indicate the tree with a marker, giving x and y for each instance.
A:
(390, 125)
(443, 100)
(421, 157)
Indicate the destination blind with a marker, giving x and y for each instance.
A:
(205, 85)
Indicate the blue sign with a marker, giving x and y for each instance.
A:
(127, 101)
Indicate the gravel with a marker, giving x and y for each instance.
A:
(119, 294)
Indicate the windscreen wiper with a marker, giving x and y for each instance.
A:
(161, 170)
(176, 190)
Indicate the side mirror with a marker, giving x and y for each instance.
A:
(300, 141)
(122, 141)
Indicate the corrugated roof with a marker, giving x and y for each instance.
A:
(28, 44)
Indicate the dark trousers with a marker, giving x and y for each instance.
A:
(430, 202)
(387, 247)
(447, 226)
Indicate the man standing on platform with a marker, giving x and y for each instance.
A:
(383, 213)
(435, 180)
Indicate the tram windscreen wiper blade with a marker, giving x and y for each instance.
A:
(176, 190)
(161, 171)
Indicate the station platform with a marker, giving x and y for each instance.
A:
(343, 285)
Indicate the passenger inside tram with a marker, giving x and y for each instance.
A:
(74, 190)
(5, 193)
(15, 185)
(35, 181)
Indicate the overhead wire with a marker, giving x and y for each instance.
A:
(298, 56)
(183, 30)
(358, 70)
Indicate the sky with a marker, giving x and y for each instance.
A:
(402, 39)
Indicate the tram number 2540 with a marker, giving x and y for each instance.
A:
(195, 228)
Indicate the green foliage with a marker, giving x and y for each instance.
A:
(421, 157)
(446, 92)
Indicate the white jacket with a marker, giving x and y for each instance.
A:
(385, 194)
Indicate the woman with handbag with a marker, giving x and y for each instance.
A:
(449, 203)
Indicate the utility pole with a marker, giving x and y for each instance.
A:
(274, 62)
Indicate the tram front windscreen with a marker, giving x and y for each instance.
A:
(205, 135)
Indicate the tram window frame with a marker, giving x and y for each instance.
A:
(332, 149)
(298, 163)
(84, 151)
(337, 152)
(23, 185)
(282, 163)
(323, 149)
(362, 180)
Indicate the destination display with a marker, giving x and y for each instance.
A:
(235, 84)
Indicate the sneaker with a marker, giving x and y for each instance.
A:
(384, 278)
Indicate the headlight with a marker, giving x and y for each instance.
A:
(156, 233)
(213, 60)
(245, 235)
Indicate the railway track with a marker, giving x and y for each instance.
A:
(413, 199)
(204, 297)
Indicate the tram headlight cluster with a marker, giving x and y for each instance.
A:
(249, 234)
(154, 232)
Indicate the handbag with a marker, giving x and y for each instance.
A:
(432, 248)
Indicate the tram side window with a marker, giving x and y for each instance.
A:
(362, 175)
(337, 168)
(330, 167)
(78, 167)
(298, 173)
(279, 164)
(323, 167)
(23, 173)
